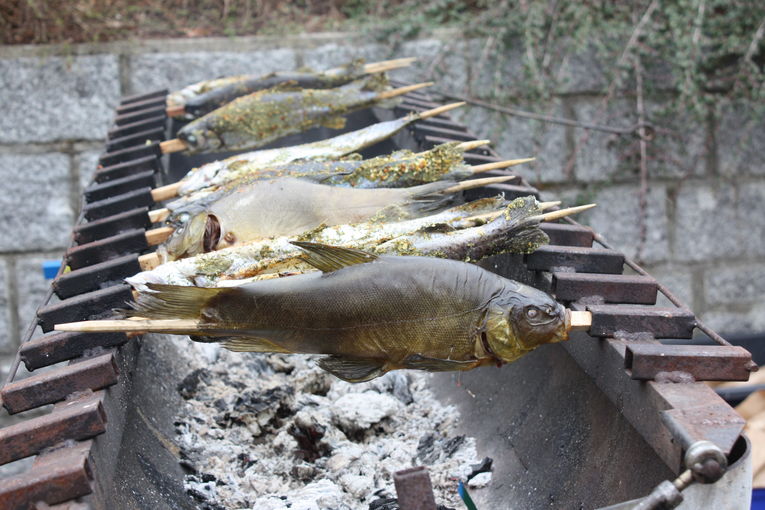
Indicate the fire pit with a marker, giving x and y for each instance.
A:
(148, 422)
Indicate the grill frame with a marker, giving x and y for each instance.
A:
(108, 238)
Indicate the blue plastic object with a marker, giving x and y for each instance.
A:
(50, 268)
(758, 499)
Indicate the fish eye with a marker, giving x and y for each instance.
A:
(532, 313)
(191, 139)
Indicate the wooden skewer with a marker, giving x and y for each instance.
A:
(170, 146)
(556, 215)
(542, 206)
(166, 192)
(175, 110)
(542, 217)
(438, 111)
(158, 215)
(158, 235)
(477, 183)
(577, 320)
(388, 65)
(149, 261)
(387, 94)
(474, 144)
(478, 169)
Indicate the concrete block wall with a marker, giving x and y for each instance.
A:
(706, 202)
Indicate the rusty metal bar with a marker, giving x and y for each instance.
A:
(127, 168)
(661, 412)
(102, 250)
(414, 490)
(53, 348)
(84, 306)
(139, 115)
(443, 132)
(93, 277)
(156, 134)
(562, 234)
(608, 320)
(56, 384)
(76, 420)
(101, 191)
(55, 477)
(704, 363)
(135, 98)
(140, 105)
(117, 204)
(605, 288)
(581, 259)
(136, 127)
(123, 155)
(112, 225)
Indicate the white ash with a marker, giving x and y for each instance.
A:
(275, 432)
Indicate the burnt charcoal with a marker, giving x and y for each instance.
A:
(310, 445)
(207, 477)
(482, 467)
(228, 420)
(245, 460)
(187, 466)
(401, 389)
(384, 504)
(189, 385)
(304, 472)
(257, 402)
(220, 404)
(430, 448)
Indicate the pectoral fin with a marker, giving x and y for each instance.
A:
(334, 122)
(417, 362)
(328, 258)
(252, 344)
(353, 370)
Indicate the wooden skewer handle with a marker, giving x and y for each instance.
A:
(165, 192)
(170, 146)
(158, 235)
(579, 320)
(175, 110)
(158, 215)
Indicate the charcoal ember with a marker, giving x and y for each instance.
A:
(482, 467)
(384, 504)
(190, 384)
(431, 448)
(256, 402)
(309, 439)
(304, 472)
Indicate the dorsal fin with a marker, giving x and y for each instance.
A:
(328, 258)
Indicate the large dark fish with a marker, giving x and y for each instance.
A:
(369, 314)
(259, 118)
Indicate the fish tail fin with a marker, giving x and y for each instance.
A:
(173, 301)
(432, 197)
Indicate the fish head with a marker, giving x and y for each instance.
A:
(521, 320)
(200, 234)
(199, 138)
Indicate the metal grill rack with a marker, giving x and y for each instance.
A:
(76, 443)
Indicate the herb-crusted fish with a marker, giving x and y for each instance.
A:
(204, 97)
(369, 314)
(259, 118)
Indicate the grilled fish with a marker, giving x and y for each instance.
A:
(369, 314)
(204, 97)
(398, 170)
(217, 173)
(259, 118)
(468, 232)
(290, 206)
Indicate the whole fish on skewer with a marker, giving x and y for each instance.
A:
(217, 173)
(262, 117)
(399, 169)
(367, 314)
(203, 97)
(289, 206)
(468, 232)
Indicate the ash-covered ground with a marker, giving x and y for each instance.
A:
(275, 432)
